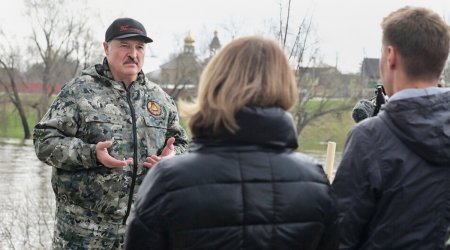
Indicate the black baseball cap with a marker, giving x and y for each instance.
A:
(126, 27)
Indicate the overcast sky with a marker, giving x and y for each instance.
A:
(346, 30)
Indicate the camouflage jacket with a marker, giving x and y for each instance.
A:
(93, 108)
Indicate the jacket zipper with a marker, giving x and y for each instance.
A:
(135, 158)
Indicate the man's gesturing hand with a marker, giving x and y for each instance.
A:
(107, 160)
(168, 151)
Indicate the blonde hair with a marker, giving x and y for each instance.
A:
(249, 71)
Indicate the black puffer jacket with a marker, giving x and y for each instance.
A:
(242, 191)
(393, 183)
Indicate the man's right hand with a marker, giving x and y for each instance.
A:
(107, 160)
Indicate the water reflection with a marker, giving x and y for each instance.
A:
(26, 197)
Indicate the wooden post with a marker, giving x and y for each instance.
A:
(329, 163)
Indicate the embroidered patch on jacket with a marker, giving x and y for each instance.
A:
(154, 108)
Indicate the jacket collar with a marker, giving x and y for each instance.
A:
(270, 127)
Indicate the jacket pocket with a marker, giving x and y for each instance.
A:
(155, 122)
(103, 127)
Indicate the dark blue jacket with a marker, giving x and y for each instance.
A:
(393, 183)
(249, 190)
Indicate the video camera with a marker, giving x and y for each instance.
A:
(368, 108)
(379, 99)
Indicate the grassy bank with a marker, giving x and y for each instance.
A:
(327, 128)
(11, 125)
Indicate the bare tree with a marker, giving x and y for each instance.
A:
(86, 50)
(233, 28)
(61, 45)
(10, 78)
(56, 31)
(302, 50)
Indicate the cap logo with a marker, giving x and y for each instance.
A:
(126, 28)
(154, 108)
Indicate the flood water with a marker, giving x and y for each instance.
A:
(26, 198)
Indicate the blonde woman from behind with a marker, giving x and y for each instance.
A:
(242, 185)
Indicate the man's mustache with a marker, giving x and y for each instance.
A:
(130, 60)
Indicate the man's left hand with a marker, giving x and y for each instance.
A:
(168, 151)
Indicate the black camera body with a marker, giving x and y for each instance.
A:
(379, 99)
(369, 107)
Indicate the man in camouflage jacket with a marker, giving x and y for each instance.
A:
(101, 134)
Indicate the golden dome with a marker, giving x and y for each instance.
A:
(189, 40)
